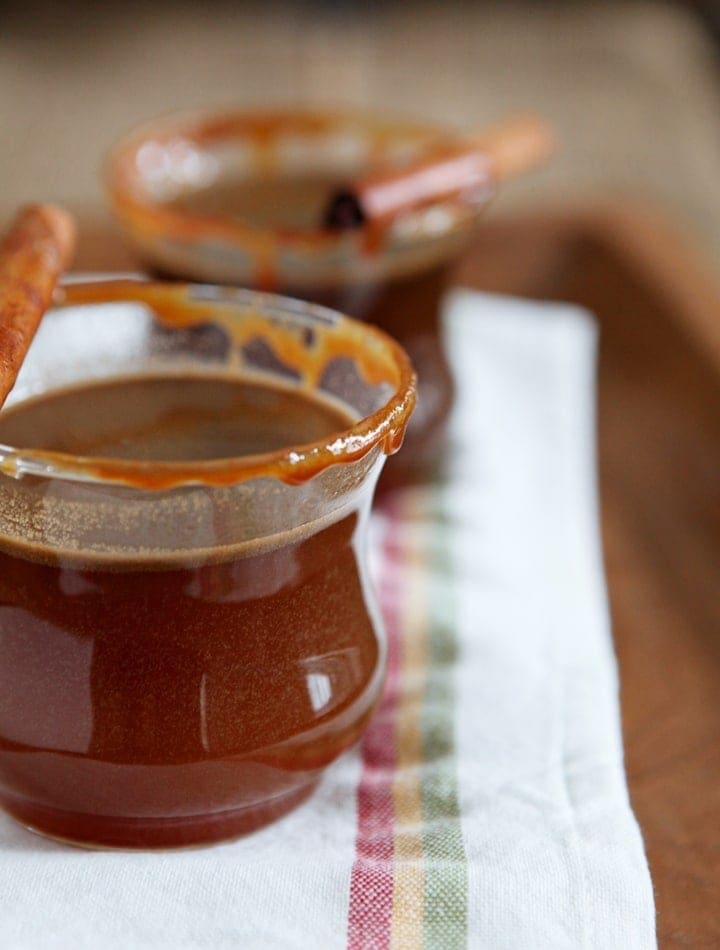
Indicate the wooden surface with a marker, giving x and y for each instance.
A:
(659, 435)
(659, 456)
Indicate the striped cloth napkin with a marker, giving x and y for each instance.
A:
(486, 806)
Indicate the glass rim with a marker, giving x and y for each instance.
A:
(204, 127)
(293, 464)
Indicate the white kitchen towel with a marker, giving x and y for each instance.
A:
(486, 806)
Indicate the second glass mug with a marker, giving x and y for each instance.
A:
(186, 646)
(397, 285)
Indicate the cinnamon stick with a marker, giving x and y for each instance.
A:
(33, 254)
(465, 167)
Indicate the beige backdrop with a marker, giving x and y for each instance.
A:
(631, 86)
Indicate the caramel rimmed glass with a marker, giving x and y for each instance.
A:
(171, 157)
(186, 646)
(314, 341)
(393, 276)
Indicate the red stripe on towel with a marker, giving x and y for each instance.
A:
(371, 887)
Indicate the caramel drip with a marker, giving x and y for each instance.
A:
(378, 358)
(173, 308)
(262, 131)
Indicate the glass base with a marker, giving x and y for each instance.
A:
(106, 832)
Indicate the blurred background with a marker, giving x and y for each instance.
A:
(632, 87)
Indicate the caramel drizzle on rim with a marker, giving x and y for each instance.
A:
(377, 357)
(260, 131)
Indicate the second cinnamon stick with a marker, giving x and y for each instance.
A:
(458, 168)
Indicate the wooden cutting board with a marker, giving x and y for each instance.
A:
(659, 455)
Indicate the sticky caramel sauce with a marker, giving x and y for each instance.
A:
(306, 348)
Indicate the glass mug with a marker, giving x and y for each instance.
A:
(198, 196)
(185, 646)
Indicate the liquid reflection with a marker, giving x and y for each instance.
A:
(182, 692)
